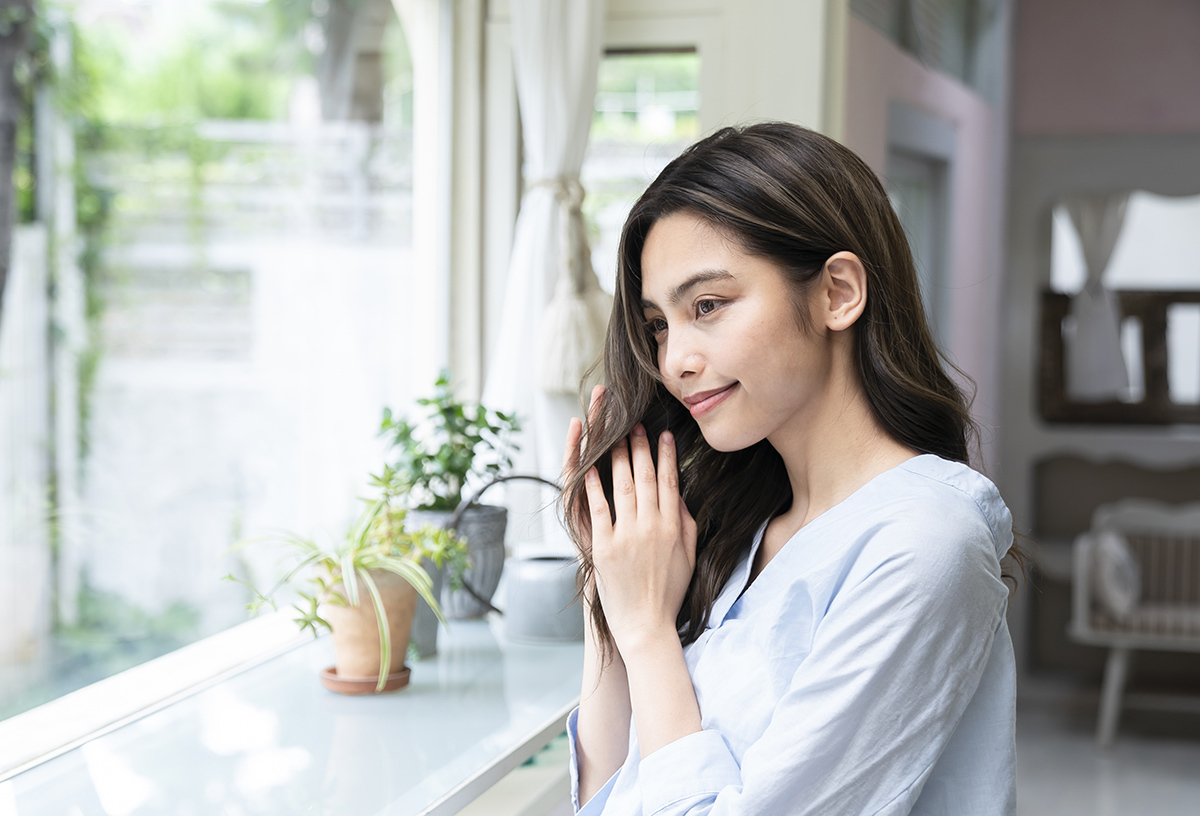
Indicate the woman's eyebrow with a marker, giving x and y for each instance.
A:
(679, 291)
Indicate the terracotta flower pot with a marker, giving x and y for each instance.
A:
(356, 634)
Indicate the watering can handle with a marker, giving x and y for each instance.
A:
(456, 517)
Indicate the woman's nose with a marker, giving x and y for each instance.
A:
(680, 359)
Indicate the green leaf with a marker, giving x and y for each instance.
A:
(349, 578)
(385, 636)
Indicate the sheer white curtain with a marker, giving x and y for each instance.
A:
(557, 48)
(1095, 366)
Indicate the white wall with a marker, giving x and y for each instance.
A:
(1106, 67)
(879, 72)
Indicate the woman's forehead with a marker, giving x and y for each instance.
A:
(684, 253)
(679, 245)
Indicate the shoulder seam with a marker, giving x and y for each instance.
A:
(987, 517)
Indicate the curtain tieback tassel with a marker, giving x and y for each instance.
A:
(576, 318)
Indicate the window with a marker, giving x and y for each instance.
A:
(647, 112)
(918, 178)
(1158, 248)
(943, 34)
(916, 185)
(245, 202)
(1154, 272)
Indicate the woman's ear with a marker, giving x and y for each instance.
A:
(843, 291)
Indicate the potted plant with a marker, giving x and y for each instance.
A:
(444, 556)
(363, 589)
(434, 459)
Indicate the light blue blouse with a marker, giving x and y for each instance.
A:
(867, 670)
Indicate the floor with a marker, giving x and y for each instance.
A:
(1153, 769)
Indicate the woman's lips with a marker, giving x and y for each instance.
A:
(705, 401)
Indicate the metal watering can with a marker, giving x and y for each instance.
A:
(542, 606)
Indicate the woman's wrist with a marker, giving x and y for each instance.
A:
(636, 645)
(661, 695)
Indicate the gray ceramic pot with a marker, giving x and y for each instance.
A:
(425, 623)
(482, 527)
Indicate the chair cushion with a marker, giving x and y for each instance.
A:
(1116, 577)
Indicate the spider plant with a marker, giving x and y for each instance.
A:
(339, 572)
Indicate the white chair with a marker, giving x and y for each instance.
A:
(1136, 585)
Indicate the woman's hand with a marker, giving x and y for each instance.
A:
(602, 726)
(643, 564)
(644, 560)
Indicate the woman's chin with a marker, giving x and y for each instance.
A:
(727, 442)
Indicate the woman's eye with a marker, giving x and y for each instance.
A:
(656, 325)
(706, 306)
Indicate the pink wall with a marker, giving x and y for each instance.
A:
(1106, 67)
(876, 72)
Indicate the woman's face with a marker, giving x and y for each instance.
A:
(729, 345)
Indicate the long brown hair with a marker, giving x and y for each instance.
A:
(794, 197)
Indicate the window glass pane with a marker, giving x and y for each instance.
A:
(1183, 353)
(916, 185)
(647, 112)
(1131, 350)
(223, 353)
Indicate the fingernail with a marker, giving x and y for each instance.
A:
(638, 430)
(667, 438)
(592, 475)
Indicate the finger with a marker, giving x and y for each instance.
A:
(598, 506)
(645, 481)
(593, 412)
(571, 449)
(597, 395)
(624, 498)
(687, 527)
(668, 473)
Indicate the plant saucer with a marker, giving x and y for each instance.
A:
(363, 685)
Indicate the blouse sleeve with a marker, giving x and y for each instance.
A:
(896, 658)
(595, 805)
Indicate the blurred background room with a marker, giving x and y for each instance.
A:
(238, 230)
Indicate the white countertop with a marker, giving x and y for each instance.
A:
(271, 740)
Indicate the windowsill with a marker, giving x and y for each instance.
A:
(54, 728)
(270, 740)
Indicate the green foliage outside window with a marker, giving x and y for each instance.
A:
(641, 79)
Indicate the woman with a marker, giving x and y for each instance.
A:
(793, 583)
